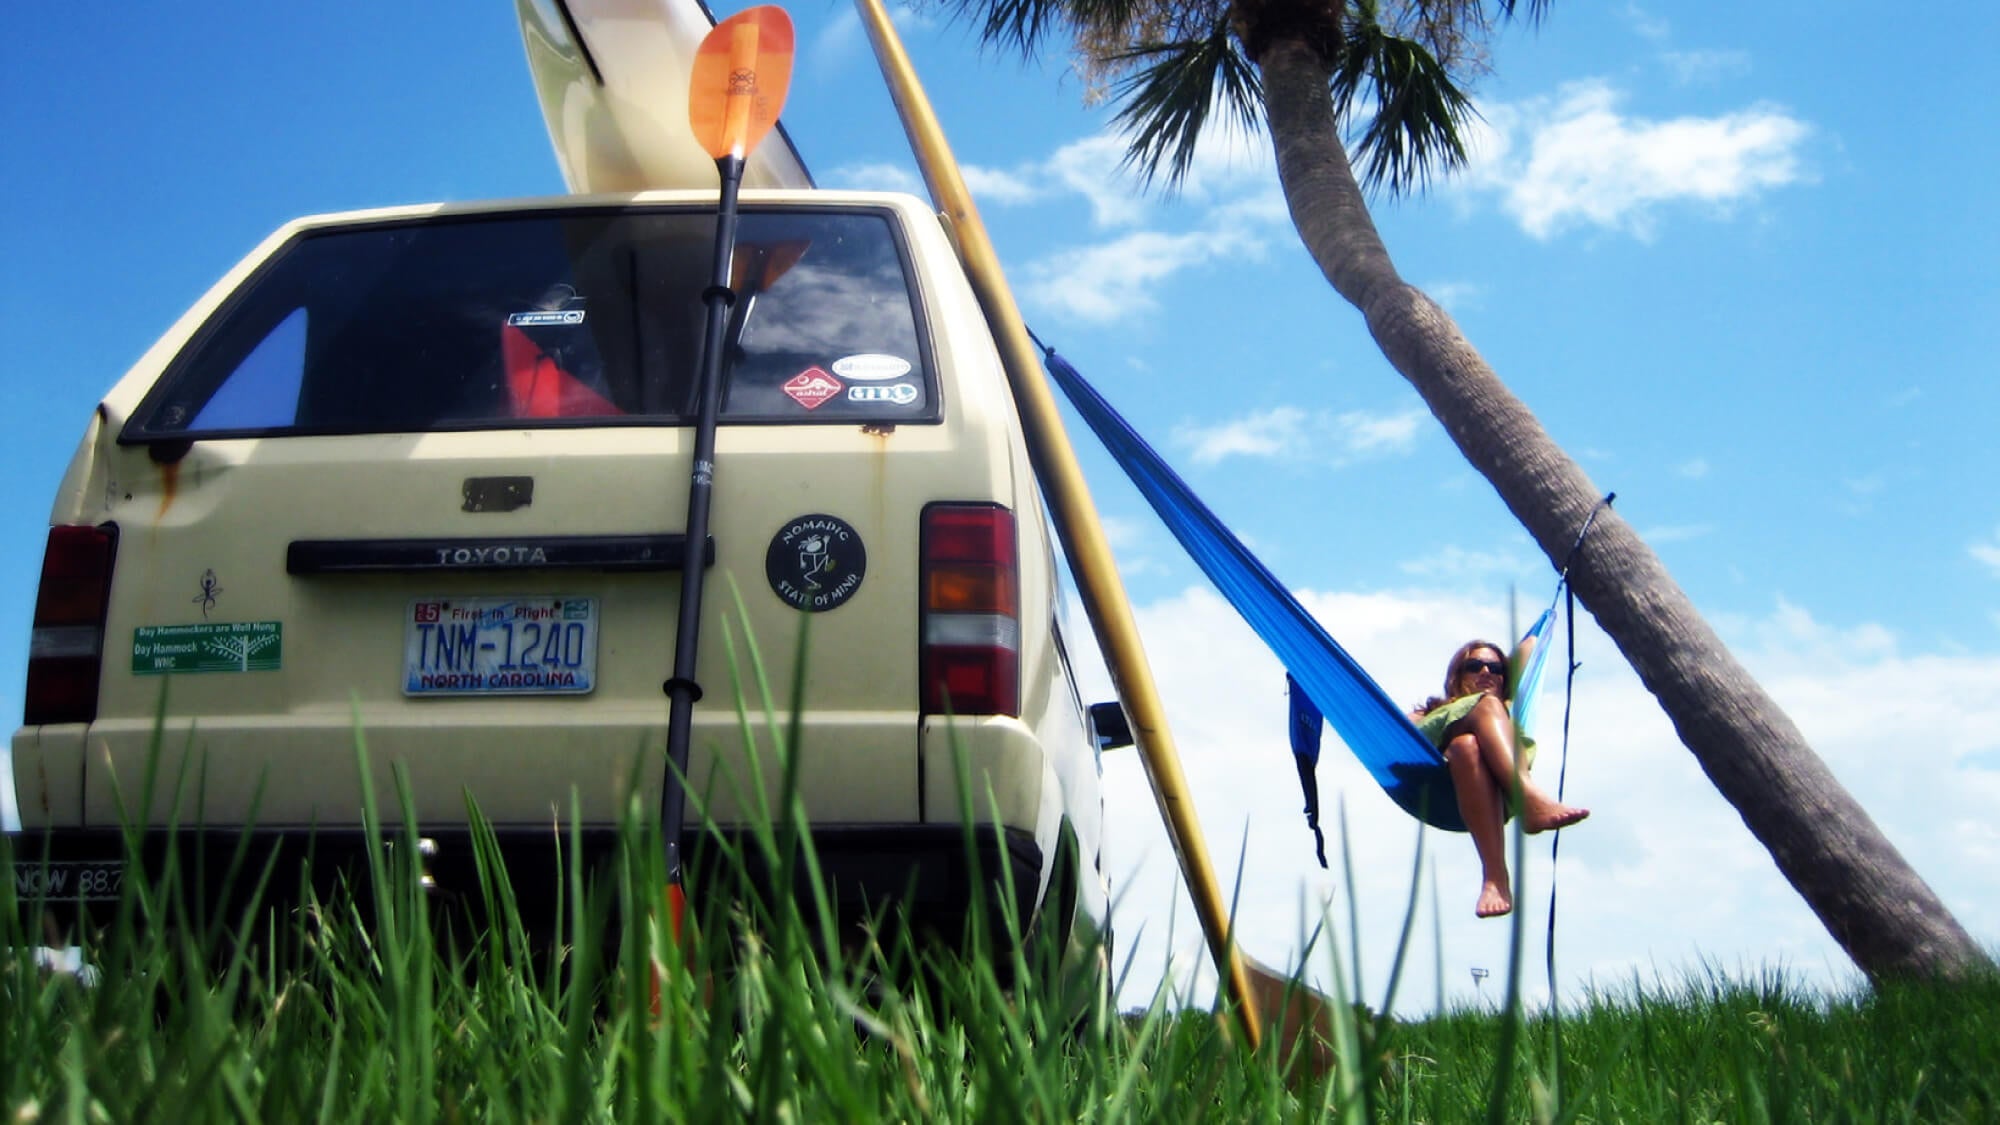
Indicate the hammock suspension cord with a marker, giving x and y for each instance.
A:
(1568, 593)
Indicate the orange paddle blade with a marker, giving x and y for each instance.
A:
(740, 76)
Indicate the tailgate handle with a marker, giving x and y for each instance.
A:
(617, 553)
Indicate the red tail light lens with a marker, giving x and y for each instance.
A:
(66, 649)
(971, 611)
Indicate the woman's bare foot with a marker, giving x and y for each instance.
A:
(1553, 816)
(1493, 900)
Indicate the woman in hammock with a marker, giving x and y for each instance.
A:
(1489, 758)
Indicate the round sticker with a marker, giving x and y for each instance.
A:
(816, 562)
(871, 368)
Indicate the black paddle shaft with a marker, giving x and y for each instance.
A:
(682, 690)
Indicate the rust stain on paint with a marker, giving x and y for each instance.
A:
(170, 483)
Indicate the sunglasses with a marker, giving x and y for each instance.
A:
(1498, 668)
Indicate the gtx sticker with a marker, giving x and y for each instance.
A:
(209, 589)
(869, 368)
(542, 319)
(812, 387)
(815, 563)
(241, 646)
(902, 394)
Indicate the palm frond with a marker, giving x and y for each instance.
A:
(1537, 9)
(1016, 24)
(1023, 25)
(1414, 127)
(1168, 100)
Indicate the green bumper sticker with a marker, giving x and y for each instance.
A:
(241, 646)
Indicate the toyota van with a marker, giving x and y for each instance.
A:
(420, 476)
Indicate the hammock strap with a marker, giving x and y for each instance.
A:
(1309, 782)
(1569, 697)
(1562, 574)
(1306, 724)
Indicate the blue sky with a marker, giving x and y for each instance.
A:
(1747, 278)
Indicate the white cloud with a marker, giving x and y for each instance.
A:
(1289, 432)
(1705, 65)
(1692, 470)
(1456, 562)
(990, 185)
(1988, 553)
(876, 177)
(911, 18)
(1231, 169)
(1123, 533)
(1091, 168)
(841, 39)
(1227, 207)
(1277, 432)
(1456, 296)
(838, 40)
(1648, 25)
(1361, 434)
(1231, 181)
(1115, 279)
(1132, 543)
(1577, 160)
(1663, 878)
(1230, 162)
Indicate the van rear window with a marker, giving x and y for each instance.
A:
(552, 319)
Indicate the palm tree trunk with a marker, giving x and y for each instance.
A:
(1871, 901)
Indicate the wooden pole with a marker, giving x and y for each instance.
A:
(1101, 590)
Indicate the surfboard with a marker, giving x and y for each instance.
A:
(612, 78)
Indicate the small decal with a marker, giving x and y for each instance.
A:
(816, 562)
(242, 646)
(209, 589)
(871, 368)
(812, 387)
(902, 394)
(542, 319)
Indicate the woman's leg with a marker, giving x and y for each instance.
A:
(1493, 728)
(1479, 806)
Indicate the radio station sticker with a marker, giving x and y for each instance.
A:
(545, 318)
(241, 646)
(871, 368)
(816, 562)
(900, 394)
(811, 387)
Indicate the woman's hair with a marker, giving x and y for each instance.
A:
(1451, 691)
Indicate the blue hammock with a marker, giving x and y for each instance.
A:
(1325, 679)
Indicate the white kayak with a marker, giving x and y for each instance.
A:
(612, 77)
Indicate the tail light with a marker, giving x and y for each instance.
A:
(971, 611)
(66, 649)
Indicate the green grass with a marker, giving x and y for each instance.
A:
(765, 1014)
(768, 1019)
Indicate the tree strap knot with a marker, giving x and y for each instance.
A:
(1562, 573)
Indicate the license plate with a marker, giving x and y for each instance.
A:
(69, 880)
(500, 646)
